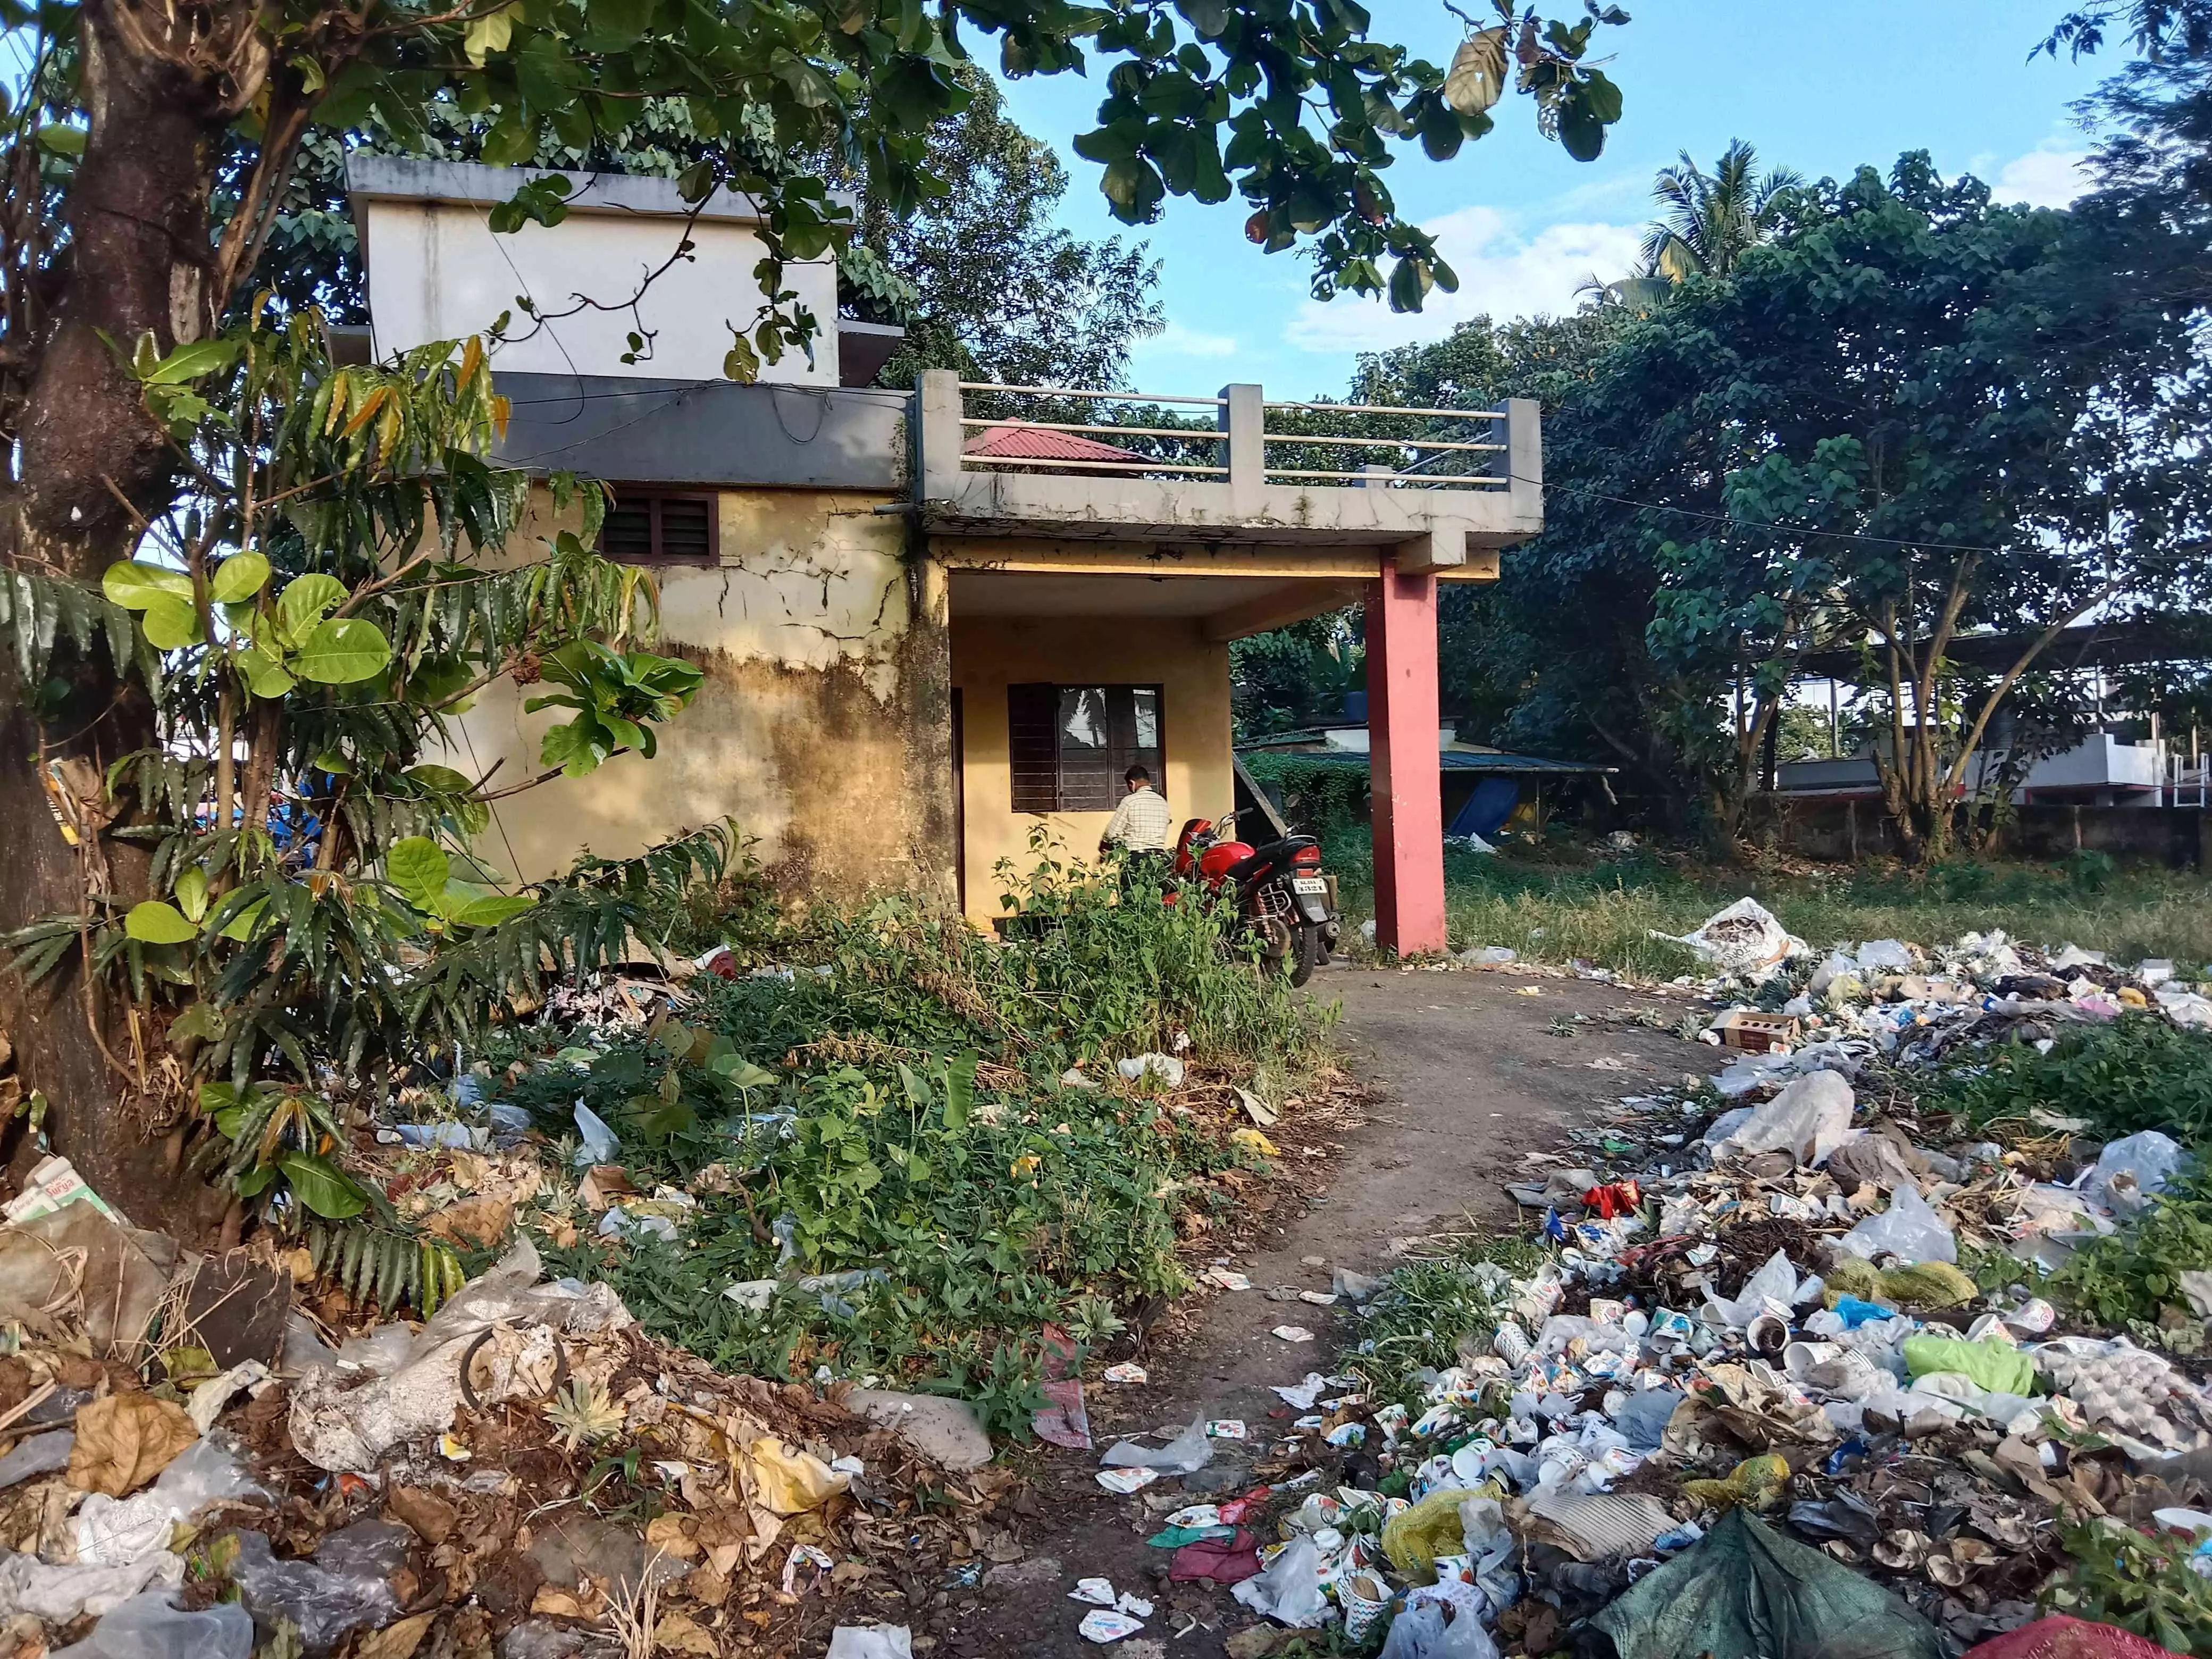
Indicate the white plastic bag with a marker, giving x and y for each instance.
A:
(870, 1642)
(2129, 1171)
(115, 1531)
(1808, 1120)
(1909, 1229)
(1420, 1632)
(149, 1626)
(1188, 1451)
(1775, 1284)
(599, 1141)
(1744, 938)
(1290, 1589)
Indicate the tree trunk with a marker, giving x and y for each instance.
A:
(91, 466)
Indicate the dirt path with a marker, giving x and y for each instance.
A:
(1467, 1078)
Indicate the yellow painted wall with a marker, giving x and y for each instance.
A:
(822, 729)
(992, 652)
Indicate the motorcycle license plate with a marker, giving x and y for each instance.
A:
(1309, 884)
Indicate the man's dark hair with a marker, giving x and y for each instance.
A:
(1136, 774)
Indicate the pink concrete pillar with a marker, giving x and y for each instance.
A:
(1401, 724)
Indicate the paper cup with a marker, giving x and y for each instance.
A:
(1509, 1343)
(1364, 1597)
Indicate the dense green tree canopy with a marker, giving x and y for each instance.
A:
(1910, 413)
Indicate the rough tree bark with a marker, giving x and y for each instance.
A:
(161, 83)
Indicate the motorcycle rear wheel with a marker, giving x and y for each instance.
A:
(1308, 952)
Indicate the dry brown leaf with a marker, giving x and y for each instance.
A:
(671, 1535)
(431, 1516)
(709, 1588)
(674, 1632)
(482, 1221)
(397, 1641)
(124, 1441)
(560, 1604)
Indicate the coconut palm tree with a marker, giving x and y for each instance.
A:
(1707, 222)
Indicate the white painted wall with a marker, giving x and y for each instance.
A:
(436, 271)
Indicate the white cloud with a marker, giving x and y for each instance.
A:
(2051, 175)
(1503, 272)
(1177, 341)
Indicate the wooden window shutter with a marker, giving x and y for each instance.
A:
(1033, 747)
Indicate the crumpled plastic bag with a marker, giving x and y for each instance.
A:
(599, 1141)
(1808, 1120)
(1997, 1367)
(1289, 1590)
(1189, 1451)
(60, 1595)
(340, 1423)
(1420, 1632)
(344, 1586)
(790, 1480)
(149, 1626)
(112, 1533)
(1775, 1283)
(1165, 1067)
(1758, 1483)
(2130, 1172)
(1413, 1537)
(1745, 1588)
(125, 1440)
(1743, 939)
(1924, 1287)
(1909, 1228)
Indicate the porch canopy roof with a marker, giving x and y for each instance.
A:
(1243, 594)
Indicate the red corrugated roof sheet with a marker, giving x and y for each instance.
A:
(1018, 439)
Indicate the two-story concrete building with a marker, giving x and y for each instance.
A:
(922, 640)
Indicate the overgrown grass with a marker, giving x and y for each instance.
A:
(1554, 906)
(891, 1108)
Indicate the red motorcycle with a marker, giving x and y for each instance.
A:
(1282, 897)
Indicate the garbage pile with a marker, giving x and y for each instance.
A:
(1896, 998)
(1751, 1394)
(194, 1469)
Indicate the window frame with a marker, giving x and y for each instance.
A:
(1034, 707)
(651, 496)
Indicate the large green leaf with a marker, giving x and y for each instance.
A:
(322, 1186)
(153, 922)
(239, 578)
(304, 603)
(134, 584)
(342, 652)
(959, 1092)
(189, 362)
(264, 676)
(419, 868)
(485, 910)
(439, 780)
(172, 623)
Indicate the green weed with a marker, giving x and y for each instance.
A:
(1417, 1320)
(2138, 1072)
(2136, 1273)
(897, 1149)
(2138, 1583)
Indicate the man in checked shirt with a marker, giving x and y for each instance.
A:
(1139, 828)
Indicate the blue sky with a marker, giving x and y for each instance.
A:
(1818, 85)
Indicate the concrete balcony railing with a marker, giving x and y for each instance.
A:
(1258, 475)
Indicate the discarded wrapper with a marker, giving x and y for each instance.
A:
(1103, 1625)
(1126, 1481)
